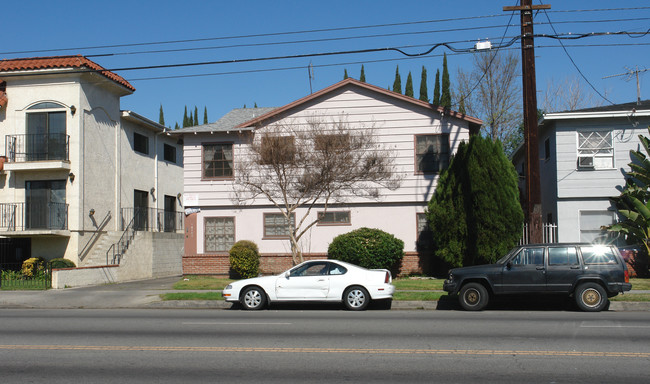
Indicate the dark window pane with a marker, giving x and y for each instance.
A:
(140, 143)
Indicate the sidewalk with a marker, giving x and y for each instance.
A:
(145, 294)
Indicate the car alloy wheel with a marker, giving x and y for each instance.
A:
(473, 297)
(253, 298)
(591, 297)
(356, 298)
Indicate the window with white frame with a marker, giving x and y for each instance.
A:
(276, 225)
(595, 150)
(591, 223)
(219, 234)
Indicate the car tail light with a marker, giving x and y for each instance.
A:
(387, 279)
(627, 276)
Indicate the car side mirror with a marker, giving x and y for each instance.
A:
(509, 264)
(287, 274)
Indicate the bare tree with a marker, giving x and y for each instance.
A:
(316, 163)
(567, 94)
(492, 92)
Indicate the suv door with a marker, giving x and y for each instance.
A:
(563, 268)
(525, 272)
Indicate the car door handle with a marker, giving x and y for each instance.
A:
(540, 268)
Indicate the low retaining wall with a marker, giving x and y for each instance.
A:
(82, 277)
(270, 264)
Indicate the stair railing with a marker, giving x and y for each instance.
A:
(117, 250)
(95, 235)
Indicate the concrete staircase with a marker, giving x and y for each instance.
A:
(97, 254)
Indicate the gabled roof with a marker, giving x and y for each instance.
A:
(52, 62)
(229, 122)
(616, 110)
(474, 123)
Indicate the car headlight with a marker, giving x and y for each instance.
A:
(228, 287)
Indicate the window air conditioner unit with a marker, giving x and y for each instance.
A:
(585, 162)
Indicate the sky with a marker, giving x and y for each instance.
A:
(244, 42)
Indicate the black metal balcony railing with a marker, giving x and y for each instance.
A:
(22, 148)
(152, 219)
(33, 216)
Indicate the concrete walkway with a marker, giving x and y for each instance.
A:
(146, 294)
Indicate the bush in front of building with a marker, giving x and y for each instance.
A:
(33, 267)
(62, 263)
(245, 259)
(367, 247)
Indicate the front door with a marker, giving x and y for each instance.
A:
(525, 272)
(140, 210)
(169, 214)
(563, 268)
(45, 206)
(307, 282)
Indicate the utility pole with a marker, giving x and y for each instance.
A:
(534, 196)
(629, 74)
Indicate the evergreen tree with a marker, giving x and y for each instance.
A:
(196, 116)
(176, 126)
(445, 97)
(255, 106)
(476, 202)
(161, 116)
(436, 89)
(244, 106)
(185, 119)
(205, 115)
(424, 92)
(345, 73)
(190, 120)
(362, 76)
(408, 90)
(397, 84)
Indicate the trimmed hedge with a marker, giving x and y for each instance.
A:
(62, 263)
(367, 247)
(33, 267)
(245, 259)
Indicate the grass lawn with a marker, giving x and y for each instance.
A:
(195, 283)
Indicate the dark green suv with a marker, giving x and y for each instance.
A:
(590, 273)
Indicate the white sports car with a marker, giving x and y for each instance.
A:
(315, 280)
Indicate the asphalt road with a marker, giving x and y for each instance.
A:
(291, 346)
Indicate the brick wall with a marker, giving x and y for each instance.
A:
(270, 264)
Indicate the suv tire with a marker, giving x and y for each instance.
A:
(473, 297)
(591, 297)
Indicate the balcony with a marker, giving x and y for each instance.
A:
(39, 218)
(152, 219)
(36, 152)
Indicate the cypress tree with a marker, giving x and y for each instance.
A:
(161, 116)
(190, 120)
(436, 89)
(185, 119)
(397, 84)
(362, 76)
(477, 203)
(345, 73)
(176, 126)
(196, 116)
(408, 90)
(424, 92)
(445, 97)
(205, 115)
(255, 106)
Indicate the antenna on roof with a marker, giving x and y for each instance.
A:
(628, 76)
(310, 71)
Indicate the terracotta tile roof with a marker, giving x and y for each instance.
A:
(77, 61)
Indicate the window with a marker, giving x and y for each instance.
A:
(46, 137)
(425, 235)
(562, 256)
(277, 149)
(529, 256)
(219, 234)
(332, 143)
(431, 153)
(595, 150)
(217, 160)
(140, 143)
(590, 223)
(276, 225)
(598, 255)
(334, 218)
(170, 153)
(45, 205)
(311, 269)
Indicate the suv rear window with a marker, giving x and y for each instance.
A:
(598, 255)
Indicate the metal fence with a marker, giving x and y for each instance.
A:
(12, 278)
(152, 219)
(37, 147)
(38, 215)
(549, 234)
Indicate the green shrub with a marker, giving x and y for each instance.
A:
(245, 259)
(368, 248)
(33, 267)
(62, 263)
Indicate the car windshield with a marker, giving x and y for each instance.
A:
(507, 256)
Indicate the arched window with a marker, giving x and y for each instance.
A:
(46, 137)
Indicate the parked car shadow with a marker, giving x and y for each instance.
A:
(516, 303)
(373, 306)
